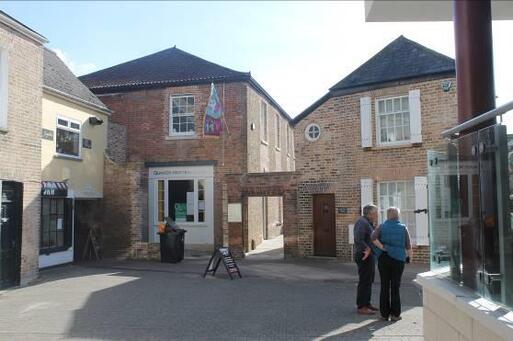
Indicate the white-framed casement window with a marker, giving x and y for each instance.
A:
(4, 83)
(278, 132)
(68, 137)
(263, 122)
(400, 194)
(393, 120)
(181, 118)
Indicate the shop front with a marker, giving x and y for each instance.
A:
(184, 194)
(56, 240)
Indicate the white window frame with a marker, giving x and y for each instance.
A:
(382, 210)
(70, 129)
(278, 132)
(171, 115)
(378, 116)
(264, 120)
(307, 132)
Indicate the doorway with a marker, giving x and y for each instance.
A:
(324, 225)
(11, 210)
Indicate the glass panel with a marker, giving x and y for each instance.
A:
(62, 122)
(181, 200)
(381, 106)
(75, 126)
(388, 103)
(68, 142)
(160, 200)
(405, 105)
(397, 104)
(201, 200)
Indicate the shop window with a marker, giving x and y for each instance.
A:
(181, 200)
(68, 137)
(201, 201)
(56, 226)
(160, 201)
(182, 116)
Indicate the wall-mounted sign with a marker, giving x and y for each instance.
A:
(47, 134)
(180, 212)
(87, 143)
(342, 210)
(235, 213)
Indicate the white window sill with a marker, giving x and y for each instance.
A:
(265, 143)
(407, 144)
(278, 149)
(67, 157)
(181, 137)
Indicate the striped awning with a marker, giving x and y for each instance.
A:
(54, 189)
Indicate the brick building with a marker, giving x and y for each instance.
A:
(21, 83)
(160, 164)
(366, 140)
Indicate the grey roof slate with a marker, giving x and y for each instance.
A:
(58, 76)
(168, 67)
(401, 59)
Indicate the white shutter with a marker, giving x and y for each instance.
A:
(415, 116)
(421, 219)
(4, 83)
(365, 119)
(350, 233)
(366, 192)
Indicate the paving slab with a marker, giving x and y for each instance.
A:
(275, 300)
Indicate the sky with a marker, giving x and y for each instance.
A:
(295, 50)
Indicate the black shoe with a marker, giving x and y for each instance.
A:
(383, 318)
(395, 318)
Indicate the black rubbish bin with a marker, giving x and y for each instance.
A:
(172, 246)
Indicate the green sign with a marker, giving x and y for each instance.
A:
(180, 212)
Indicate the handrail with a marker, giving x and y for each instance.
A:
(478, 120)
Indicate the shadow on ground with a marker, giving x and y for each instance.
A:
(280, 300)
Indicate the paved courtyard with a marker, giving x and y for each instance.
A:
(300, 300)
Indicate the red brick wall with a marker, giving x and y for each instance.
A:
(145, 138)
(336, 162)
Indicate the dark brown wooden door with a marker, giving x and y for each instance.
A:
(324, 225)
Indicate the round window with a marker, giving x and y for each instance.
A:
(313, 132)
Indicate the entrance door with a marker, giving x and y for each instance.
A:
(10, 233)
(324, 225)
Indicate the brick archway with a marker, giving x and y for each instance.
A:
(242, 186)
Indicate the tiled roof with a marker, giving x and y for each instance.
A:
(59, 79)
(168, 67)
(402, 59)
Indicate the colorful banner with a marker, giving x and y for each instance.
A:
(213, 115)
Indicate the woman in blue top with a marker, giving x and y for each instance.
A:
(393, 241)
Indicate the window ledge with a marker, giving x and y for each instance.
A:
(4, 130)
(265, 143)
(181, 137)
(65, 157)
(394, 146)
(278, 149)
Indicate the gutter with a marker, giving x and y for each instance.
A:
(16, 25)
(77, 100)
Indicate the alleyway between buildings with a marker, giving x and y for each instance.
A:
(275, 299)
